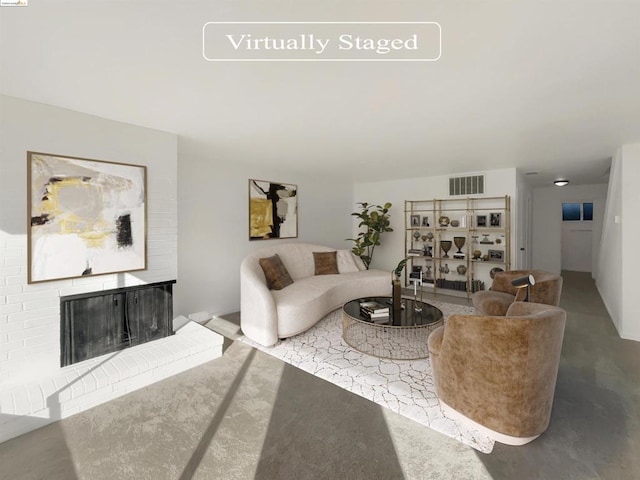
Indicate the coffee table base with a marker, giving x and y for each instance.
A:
(386, 341)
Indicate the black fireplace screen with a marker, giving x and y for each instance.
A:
(97, 323)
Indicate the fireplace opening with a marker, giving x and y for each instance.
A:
(97, 323)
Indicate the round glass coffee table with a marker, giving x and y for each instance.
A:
(403, 338)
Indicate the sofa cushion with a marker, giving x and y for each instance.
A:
(325, 263)
(346, 263)
(275, 272)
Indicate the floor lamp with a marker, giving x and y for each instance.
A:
(521, 282)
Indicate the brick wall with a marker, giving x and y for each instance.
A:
(30, 314)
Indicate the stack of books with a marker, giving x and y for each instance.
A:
(374, 311)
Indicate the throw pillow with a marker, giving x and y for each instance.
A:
(345, 262)
(275, 272)
(325, 262)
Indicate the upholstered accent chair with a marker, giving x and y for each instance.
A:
(502, 294)
(498, 373)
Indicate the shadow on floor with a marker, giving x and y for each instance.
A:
(306, 434)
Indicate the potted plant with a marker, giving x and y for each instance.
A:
(375, 219)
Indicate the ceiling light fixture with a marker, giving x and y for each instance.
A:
(561, 183)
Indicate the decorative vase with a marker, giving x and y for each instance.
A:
(396, 298)
(459, 242)
(445, 245)
(461, 269)
(477, 254)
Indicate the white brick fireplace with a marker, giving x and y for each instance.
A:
(34, 389)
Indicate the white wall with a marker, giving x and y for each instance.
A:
(619, 265)
(391, 251)
(214, 223)
(609, 273)
(547, 222)
(29, 314)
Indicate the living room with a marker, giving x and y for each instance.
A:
(89, 81)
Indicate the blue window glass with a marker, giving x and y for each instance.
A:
(587, 211)
(570, 212)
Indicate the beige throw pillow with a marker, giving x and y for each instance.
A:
(346, 264)
(325, 263)
(275, 272)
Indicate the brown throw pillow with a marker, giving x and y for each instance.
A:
(326, 263)
(275, 272)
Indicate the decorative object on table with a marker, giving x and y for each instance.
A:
(485, 239)
(459, 243)
(425, 221)
(494, 219)
(427, 274)
(461, 269)
(396, 288)
(443, 221)
(444, 269)
(375, 219)
(493, 271)
(498, 241)
(474, 238)
(445, 246)
(455, 223)
(424, 238)
(273, 210)
(416, 234)
(416, 279)
(429, 236)
(496, 255)
(86, 217)
(481, 221)
(524, 282)
(415, 221)
(477, 254)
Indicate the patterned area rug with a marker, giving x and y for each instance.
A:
(404, 386)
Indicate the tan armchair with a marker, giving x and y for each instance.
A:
(500, 371)
(502, 294)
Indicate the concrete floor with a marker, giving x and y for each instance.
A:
(248, 415)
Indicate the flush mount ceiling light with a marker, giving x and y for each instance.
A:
(561, 183)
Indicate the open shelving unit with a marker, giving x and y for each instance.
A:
(457, 243)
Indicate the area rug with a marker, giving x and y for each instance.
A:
(403, 386)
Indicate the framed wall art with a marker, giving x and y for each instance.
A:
(85, 217)
(415, 220)
(494, 219)
(273, 210)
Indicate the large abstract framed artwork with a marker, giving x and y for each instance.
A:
(85, 217)
(273, 210)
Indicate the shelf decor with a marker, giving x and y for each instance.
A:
(461, 223)
(86, 217)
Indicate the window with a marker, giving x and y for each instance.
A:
(572, 212)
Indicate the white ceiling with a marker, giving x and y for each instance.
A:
(552, 87)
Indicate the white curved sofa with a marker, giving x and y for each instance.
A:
(267, 315)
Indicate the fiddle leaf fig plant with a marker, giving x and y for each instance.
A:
(375, 220)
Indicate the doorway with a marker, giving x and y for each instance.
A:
(577, 236)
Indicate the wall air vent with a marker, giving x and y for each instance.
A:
(471, 185)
